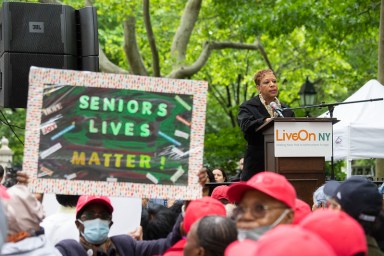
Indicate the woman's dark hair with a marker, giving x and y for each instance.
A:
(215, 233)
(67, 200)
(157, 221)
(211, 177)
(225, 176)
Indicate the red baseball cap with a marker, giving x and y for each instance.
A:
(85, 200)
(340, 230)
(301, 210)
(292, 240)
(244, 248)
(200, 208)
(220, 192)
(270, 183)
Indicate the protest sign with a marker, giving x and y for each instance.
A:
(113, 134)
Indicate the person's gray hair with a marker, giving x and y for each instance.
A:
(319, 196)
(215, 233)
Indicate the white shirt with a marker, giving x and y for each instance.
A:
(61, 225)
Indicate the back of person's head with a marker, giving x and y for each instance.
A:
(302, 209)
(200, 208)
(281, 241)
(67, 200)
(211, 234)
(177, 206)
(24, 212)
(157, 221)
(319, 198)
(341, 231)
(360, 198)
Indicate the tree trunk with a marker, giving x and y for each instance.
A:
(380, 77)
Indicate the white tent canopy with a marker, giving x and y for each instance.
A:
(359, 134)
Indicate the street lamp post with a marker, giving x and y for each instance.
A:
(307, 95)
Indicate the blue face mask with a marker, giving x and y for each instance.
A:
(96, 230)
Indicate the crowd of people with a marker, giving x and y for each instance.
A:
(265, 218)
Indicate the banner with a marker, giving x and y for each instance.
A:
(115, 135)
(303, 139)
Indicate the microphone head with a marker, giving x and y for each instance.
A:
(273, 105)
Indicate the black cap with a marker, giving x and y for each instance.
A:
(330, 187)
(360, 198)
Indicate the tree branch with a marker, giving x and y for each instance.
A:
(131, 49)
(107, 66)
(264, 54)
(183, 72)
(184, 31)
(151, 39)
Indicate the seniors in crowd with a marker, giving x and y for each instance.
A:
(282, 241)
(209, 236)
(360, 198)
(94, 219)
(264, 201)
(302, 209)
(195, 210)
(221, 193)
(321, 196)
(24, 214)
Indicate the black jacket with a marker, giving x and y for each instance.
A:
(252, 114)
(126, 245)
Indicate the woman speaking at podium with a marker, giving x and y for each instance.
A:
(254, 113)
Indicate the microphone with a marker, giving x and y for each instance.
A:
(278, 110)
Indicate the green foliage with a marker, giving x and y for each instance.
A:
(15, 118)
(334, 43)
(337, 169)
(224, 148)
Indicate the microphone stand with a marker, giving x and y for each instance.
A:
(331, 107)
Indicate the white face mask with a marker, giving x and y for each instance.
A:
(256, 233)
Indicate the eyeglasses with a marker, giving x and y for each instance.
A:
(257, 210)
(93, 215)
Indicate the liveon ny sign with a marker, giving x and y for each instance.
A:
(303, 139)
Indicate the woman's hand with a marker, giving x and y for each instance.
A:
(203, 176)
(22, 178)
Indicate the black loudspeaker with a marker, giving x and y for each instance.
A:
(38, 28)
(14, 70)
(88, 45)
(43, 35)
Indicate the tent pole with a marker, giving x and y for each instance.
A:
(330, 109)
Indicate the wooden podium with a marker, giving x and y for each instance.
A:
(306, 173)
